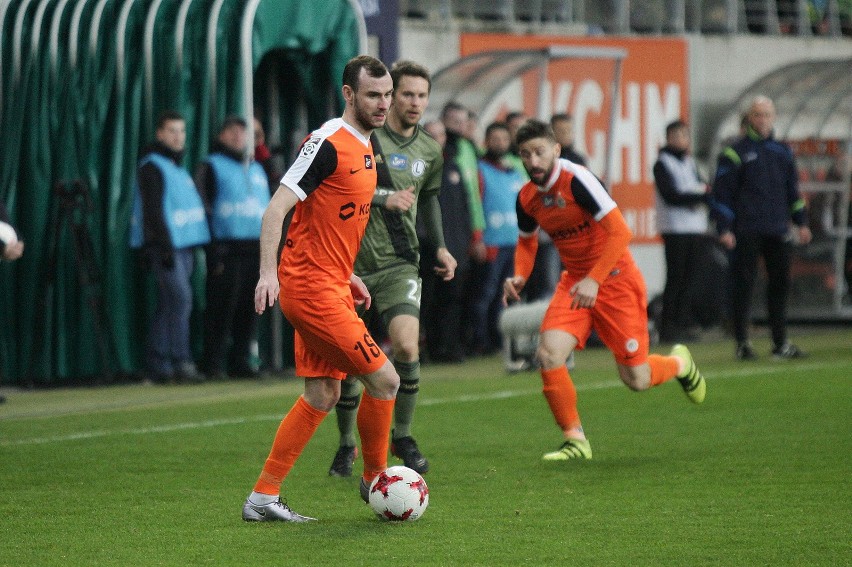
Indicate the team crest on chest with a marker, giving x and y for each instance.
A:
(368, 162)
(418, 168)
(553, 201)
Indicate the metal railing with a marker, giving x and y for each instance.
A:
(772, 17)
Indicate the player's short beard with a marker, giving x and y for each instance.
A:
(547, 173)
(364, 119)
(405, 123)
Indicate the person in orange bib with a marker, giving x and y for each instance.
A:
(601, 286)
(330, 184)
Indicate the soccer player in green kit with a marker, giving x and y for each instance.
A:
(409, 164)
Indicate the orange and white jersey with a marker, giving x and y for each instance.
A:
(569, 208)
(334, 177)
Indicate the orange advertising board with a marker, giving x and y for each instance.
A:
(654, 91)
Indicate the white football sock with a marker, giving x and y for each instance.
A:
(261, 499)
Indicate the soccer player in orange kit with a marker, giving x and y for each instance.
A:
(331, 184)
(601, 286)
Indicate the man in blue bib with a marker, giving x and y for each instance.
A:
(167, 223)
(235, 192)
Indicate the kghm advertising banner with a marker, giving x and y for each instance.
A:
(654, 91)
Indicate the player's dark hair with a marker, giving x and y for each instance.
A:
(405, 68)
(352, 71)
(168, 116)
(532, 129)
(514, 114)
(674, 126)
(496, 126)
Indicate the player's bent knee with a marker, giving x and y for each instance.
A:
(406, 351)
(322, 398)
(382, 384)
(548, 358)
(636, 378)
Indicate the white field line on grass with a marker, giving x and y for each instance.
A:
(499, 395)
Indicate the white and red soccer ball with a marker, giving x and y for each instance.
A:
(399, 494)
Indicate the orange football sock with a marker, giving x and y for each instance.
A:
(561, 397)
(374, 423)
(663, 368)
(296, 429)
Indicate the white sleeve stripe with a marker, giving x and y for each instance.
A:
(306, 156)
(594, 187)
(294, 187)
(296, 173)
(527, 234)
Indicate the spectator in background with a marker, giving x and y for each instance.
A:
(472, 130)
(435, 128)
(563, 129)
(443, 301)
(757, 189)
(167, 223)
(235, 195)
(840, 171)
(263, 155)
(514, 120)
(462, 152)
(682, 222)
(500, 183)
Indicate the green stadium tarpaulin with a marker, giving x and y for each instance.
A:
(81, 88)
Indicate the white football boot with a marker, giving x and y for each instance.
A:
(277, 511)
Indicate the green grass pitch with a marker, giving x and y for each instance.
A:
(145, 475)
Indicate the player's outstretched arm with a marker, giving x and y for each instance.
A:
(266, 291)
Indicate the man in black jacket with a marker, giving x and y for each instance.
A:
(756, 189)
(563, 130)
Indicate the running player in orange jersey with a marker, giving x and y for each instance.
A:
(331, 184)
(601, 286)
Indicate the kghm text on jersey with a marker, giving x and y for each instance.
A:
(572, 231)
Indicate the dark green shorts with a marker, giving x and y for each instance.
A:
(395, 291)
